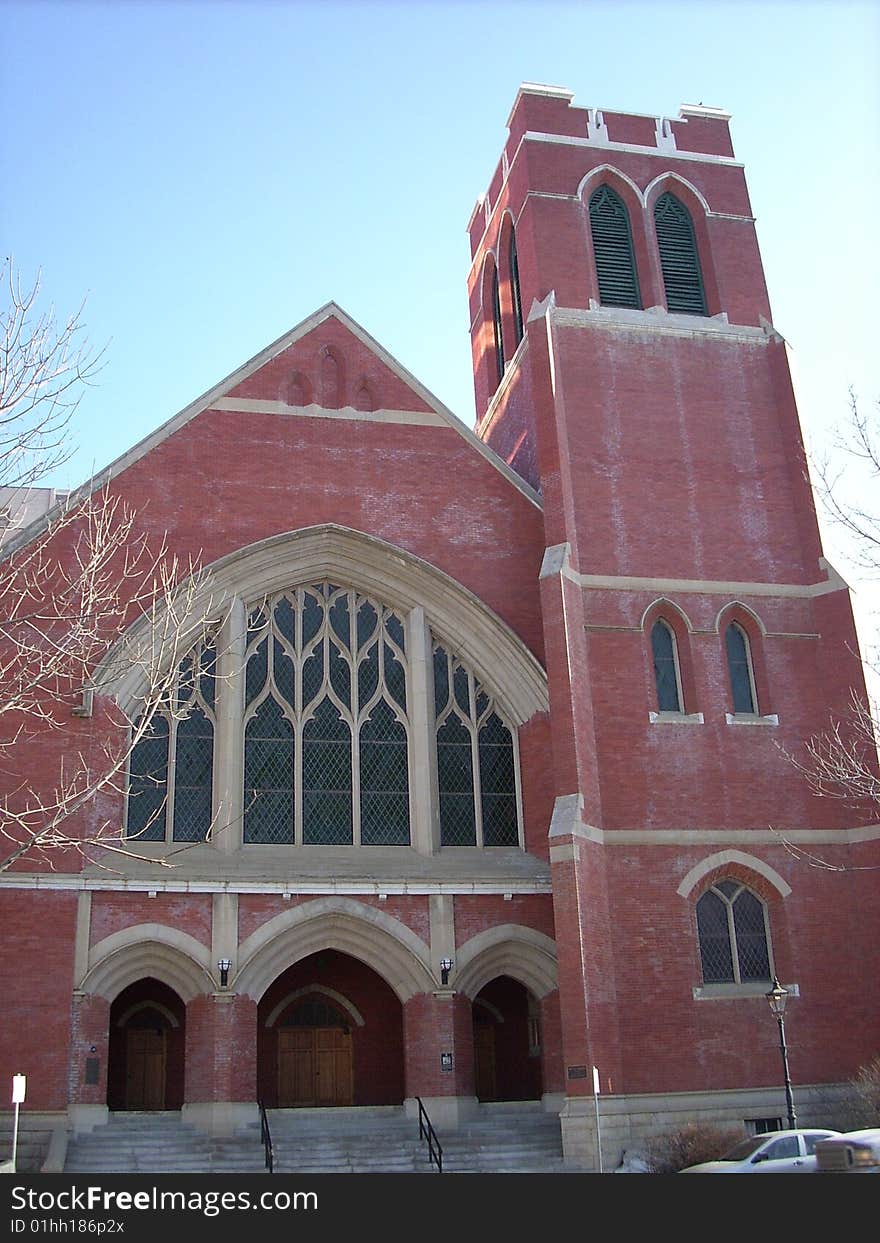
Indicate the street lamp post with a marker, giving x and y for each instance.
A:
(777, 997)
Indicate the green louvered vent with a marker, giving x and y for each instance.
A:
(613, 249)
(678, 257)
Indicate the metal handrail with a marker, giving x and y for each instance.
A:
(266, 1139)
(429, 1135)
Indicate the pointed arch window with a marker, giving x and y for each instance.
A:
(734, 937)
(326, 725)
(740, 669)
(476, 760)
(496, 326)
(516, 297)
(667, 675)
(679, 257)
(613, 250)
(170, 769)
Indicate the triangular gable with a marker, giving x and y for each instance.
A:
(225, 396)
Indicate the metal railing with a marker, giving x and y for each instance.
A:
(266, 1139)
(429, 1135)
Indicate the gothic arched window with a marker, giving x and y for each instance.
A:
(679, 258)
(515, 294)
(476, 763)
(666, 670)
(496, 326)
(326, 726)
(740, 669)
(733, 933)
(170, 769)
(613, 250)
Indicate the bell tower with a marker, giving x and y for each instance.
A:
(626, 365)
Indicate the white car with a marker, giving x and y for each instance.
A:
(776, 1152)
(855, 1152)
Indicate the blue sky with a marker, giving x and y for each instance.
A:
(206, 175)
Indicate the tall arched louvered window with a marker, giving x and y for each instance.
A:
(679, 259)
(733, 935)
(613, 250)
(496, 326)
(739, 667)
(514, 289)
(170, 770)
(476, 764)
(326, 737)
(666, 671)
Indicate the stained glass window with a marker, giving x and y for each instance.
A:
(476, 764)
(732, 931)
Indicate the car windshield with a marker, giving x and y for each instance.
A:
(745, 1148)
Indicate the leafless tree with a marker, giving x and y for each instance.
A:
(841, 763)
(80, 591)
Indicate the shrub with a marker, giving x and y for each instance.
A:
(690, 1145)
(865, 1095)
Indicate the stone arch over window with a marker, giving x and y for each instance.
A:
(338, 666)
(681, 246)
(742, 638)
(669, 654)
(310, 990)
(376, 939)
(514, 950)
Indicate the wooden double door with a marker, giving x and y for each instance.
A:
(314, 1066)
(145, 1068)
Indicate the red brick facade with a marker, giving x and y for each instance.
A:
(633, 465)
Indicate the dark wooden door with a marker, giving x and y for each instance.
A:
(314, 1066)
(484, 1062)
(145, 1068)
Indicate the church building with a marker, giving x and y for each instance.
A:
(477, 785)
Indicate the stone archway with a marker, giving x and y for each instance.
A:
(146, 1048)
(507, 1042)
(330, 1034)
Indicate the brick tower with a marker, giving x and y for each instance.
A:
(627, 367)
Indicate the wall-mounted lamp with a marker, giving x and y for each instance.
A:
(445, 968)
(224, 964)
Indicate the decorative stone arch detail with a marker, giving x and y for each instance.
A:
(167, 1014)
(308, 990)
(507, 949)
(489, 1008)
(149, 950)
(615, 178)
(662, 607)
(376, 939)
(675, 184)
(735, 610)
(715, 866)
(498, 657)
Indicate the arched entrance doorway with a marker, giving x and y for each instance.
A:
(146, 1048)
(330, 1034)
(507, 1042)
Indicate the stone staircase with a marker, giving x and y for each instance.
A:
(514, 1137)
(503, 1138)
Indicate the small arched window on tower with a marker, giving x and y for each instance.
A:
(679, 259)
(740, 669)
(496, 326)
(613, 250)
(514, 290)
(666, 669)
(733, 933)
